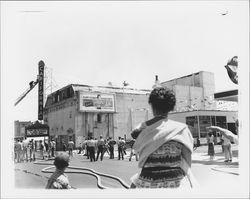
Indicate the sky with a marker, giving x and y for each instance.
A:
(95, 43)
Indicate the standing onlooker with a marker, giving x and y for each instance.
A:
(70, 147)
(92, 145)
(221, 142)
(111, 144)
(121, 144)
(100, 148)
(46, 146)
(165, 147)
(49, 148)
(227, 149)
(84, 147)
(64, 146)
(87, 148)
(53, 147)
(32, 150)
(25, 149)
(124, 147)
(46, 149)
(41, 147)
(80, 148)
(210, 142)
(59, 180)
(132, 152)
(18, 151)
(106, 147)
(95, 139)
(22, 152)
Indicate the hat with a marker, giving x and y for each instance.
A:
(61, 160)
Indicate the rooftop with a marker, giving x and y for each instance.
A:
(109, 89)
(231, 95)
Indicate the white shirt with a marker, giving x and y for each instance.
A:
(226, 140)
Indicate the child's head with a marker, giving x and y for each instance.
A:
(61, 160)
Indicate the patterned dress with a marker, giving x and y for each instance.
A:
(162, 168)
(58, 180)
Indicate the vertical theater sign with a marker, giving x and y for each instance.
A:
(40, 89)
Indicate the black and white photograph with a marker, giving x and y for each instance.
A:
(107, 98)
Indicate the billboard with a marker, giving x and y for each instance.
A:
(37, 132)
(96, 102)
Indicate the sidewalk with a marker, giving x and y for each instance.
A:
(200, 156)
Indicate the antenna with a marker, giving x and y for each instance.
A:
(49, 82)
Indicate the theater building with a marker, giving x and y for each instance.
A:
(78, 111)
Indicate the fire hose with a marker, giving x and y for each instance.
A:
(86, 171)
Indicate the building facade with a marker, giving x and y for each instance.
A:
(194, 91)
(19, 126)
(196, 104)
(197, 121)
(79, 111)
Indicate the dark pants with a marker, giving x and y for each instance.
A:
(92, 153)
(111, 150)
(100, 150)
(120, 153)
(87, 152)
(64, 148)
(71, 152)
(53, 152)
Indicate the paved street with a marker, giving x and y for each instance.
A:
(208, 173)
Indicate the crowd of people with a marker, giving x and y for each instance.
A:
(94, 148)
(28, 150)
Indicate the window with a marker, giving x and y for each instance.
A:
(192, 125)
(221, 121)
(99, 118)
(205, 121)
(213, 120)
(64, 94)
(69, 92)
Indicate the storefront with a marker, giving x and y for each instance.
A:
(38, 132)
(197, 121)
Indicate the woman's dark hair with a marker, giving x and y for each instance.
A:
(162, 99)
(61, 160)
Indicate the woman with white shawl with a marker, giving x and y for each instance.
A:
(164, 146)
